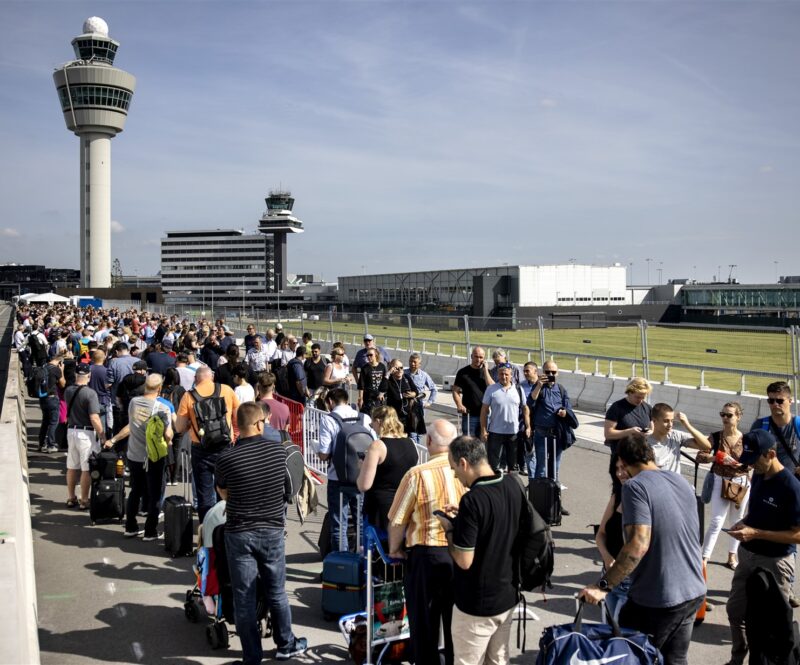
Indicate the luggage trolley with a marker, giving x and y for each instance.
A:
(386, 618)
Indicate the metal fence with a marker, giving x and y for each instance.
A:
(734, 358)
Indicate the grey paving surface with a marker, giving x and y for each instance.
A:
(103, 598)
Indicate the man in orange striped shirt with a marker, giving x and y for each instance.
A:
(429, 573)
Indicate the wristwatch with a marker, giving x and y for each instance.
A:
(603, 584)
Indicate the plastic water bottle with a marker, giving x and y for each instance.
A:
(120, 467)
(723, 458)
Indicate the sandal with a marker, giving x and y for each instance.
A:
(731, 564)
(83, 505)
(72, 503)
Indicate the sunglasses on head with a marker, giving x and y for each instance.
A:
(775, 400)
(504, 366)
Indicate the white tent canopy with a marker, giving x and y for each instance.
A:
(48, 298)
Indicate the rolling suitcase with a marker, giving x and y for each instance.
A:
(107, 493)
(344, 575)
(179, 518)
(545, 493)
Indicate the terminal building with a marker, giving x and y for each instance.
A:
(232, 269)
(489, 291)
(742, 304)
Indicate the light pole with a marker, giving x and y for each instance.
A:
(241, 316)
(648, 270)
(660, 272)
(776, 271)
(630, 263)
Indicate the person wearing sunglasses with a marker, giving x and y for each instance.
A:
(782, 424)
(727, 441)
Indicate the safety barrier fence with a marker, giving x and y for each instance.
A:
(296, 411)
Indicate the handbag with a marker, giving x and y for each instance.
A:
(733, 491)
(708, 488)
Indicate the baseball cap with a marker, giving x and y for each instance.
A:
(167, 343)
(278, 326)
(83, 369)
(755, 444)
(368, 338)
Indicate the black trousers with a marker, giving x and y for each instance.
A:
(429, 599)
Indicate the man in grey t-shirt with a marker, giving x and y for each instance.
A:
(667, 442)
(661, 554)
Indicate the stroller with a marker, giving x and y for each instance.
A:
(212, 595)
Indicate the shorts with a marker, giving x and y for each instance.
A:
(80, 444)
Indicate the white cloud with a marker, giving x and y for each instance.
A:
(116, 227)
(548, 103)
(8, 232)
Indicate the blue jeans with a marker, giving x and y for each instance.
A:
(253, 554)
(47, 432)
(617, 597)
(539, 448)
(471, 425)
(348, 494)
(203, 466)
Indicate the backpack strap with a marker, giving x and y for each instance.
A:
(72, 401)
(779, 435)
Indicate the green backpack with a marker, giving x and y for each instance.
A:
(154, 434)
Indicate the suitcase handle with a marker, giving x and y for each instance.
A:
(578, 623)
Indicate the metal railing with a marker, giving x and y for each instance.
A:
(312, 418)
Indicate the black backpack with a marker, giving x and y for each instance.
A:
(213, 431)
(351, 444)
(282, 380)
(37, 382)
(535, 549)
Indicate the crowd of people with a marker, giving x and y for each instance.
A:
(455, 517)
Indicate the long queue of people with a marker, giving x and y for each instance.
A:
(456, 517)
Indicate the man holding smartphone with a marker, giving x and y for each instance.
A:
(548, 402)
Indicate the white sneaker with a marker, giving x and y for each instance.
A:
(53, 449)
(133, 534)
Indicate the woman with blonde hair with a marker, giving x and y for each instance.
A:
(385, 463)
(727, 446)
(629, 414)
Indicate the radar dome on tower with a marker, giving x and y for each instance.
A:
(96, 25)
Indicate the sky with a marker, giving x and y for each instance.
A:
(425, 135)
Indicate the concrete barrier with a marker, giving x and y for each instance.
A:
(574, 383)
(618, 386)
(702, 407)
(665, 392)
(595, 393)
(17, 582)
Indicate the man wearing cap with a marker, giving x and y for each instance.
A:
(361, 355)
(769, 533)
(84, 430)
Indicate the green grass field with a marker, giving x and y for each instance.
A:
(762, 352)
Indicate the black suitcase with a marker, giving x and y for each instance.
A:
(701, 507)
(103, 465)
(545, 493)
(179, 519)
(107, 499)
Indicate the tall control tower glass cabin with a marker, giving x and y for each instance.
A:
(95, 97)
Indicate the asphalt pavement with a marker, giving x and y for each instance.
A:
(105, 598)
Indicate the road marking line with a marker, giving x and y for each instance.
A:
(138, 652)
(59, 596)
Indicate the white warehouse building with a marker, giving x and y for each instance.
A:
(489, 290)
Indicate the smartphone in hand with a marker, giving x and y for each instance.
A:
(441, 513)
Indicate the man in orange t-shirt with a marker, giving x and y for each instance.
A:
(204, 461)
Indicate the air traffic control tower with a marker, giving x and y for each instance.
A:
(277, 221)
(94, 98)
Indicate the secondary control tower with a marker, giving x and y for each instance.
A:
(277, 221)
(95, 97)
